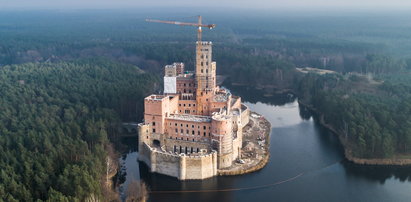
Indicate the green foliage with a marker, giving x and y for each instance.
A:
(55, 120)
(374, 117)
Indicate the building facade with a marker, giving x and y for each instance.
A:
(195, 127)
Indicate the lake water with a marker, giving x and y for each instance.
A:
(306, 164)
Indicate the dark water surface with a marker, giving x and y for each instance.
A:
(306, 164)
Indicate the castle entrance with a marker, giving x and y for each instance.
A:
(156, 143)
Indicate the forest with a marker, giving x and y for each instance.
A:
(56, 120)
(373, 116)
(68, 78)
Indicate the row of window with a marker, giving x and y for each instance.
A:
(202, 64)
(185, 91)
(185, 150)
(187, 111)
(192, 126)
(192, 132)
(184, 84)
(202, 70)
(185, 105)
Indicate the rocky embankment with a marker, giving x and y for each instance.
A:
(255, 152)
(396, 161)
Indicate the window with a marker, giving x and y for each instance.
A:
(176, 130)
(189, 105)
(207, 70)
(184, 104)
(179, 105)
(204, 127)
(192, 132)
(154, 130)
(198, 132)
(202, 64)
(187, 125)
(175, 124)
(187, 132)
(194, 105)
(184, 84)
(204, 134)
(154, 123)
(182, 131)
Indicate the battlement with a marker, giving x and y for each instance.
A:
(182, 166)
(205, 43)
(156, 97)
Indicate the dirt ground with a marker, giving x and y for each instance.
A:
(255, 145)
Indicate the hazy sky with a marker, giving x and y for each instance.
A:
(255, 4)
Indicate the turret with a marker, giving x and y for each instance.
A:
(222, 139)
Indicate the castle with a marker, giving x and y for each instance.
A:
(195, 128)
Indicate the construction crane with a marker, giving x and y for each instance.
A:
(199, 25)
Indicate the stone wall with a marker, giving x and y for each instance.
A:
(245, 115)
(170, 143)
(181, 166)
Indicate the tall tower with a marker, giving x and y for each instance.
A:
(205, 76)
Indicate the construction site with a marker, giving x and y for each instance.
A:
(195, 129)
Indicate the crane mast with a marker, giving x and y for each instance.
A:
(205, 72)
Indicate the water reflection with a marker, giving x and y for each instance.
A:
(377, 173)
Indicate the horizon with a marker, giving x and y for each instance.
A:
(239, 5)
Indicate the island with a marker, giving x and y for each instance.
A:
(196, 129)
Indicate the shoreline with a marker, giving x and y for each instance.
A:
(266, 156)
(348, 152)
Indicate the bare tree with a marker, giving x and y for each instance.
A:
(137, 191)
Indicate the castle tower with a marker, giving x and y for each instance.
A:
(222, 140)
(205, 76)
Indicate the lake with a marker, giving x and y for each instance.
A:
(306, 164)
